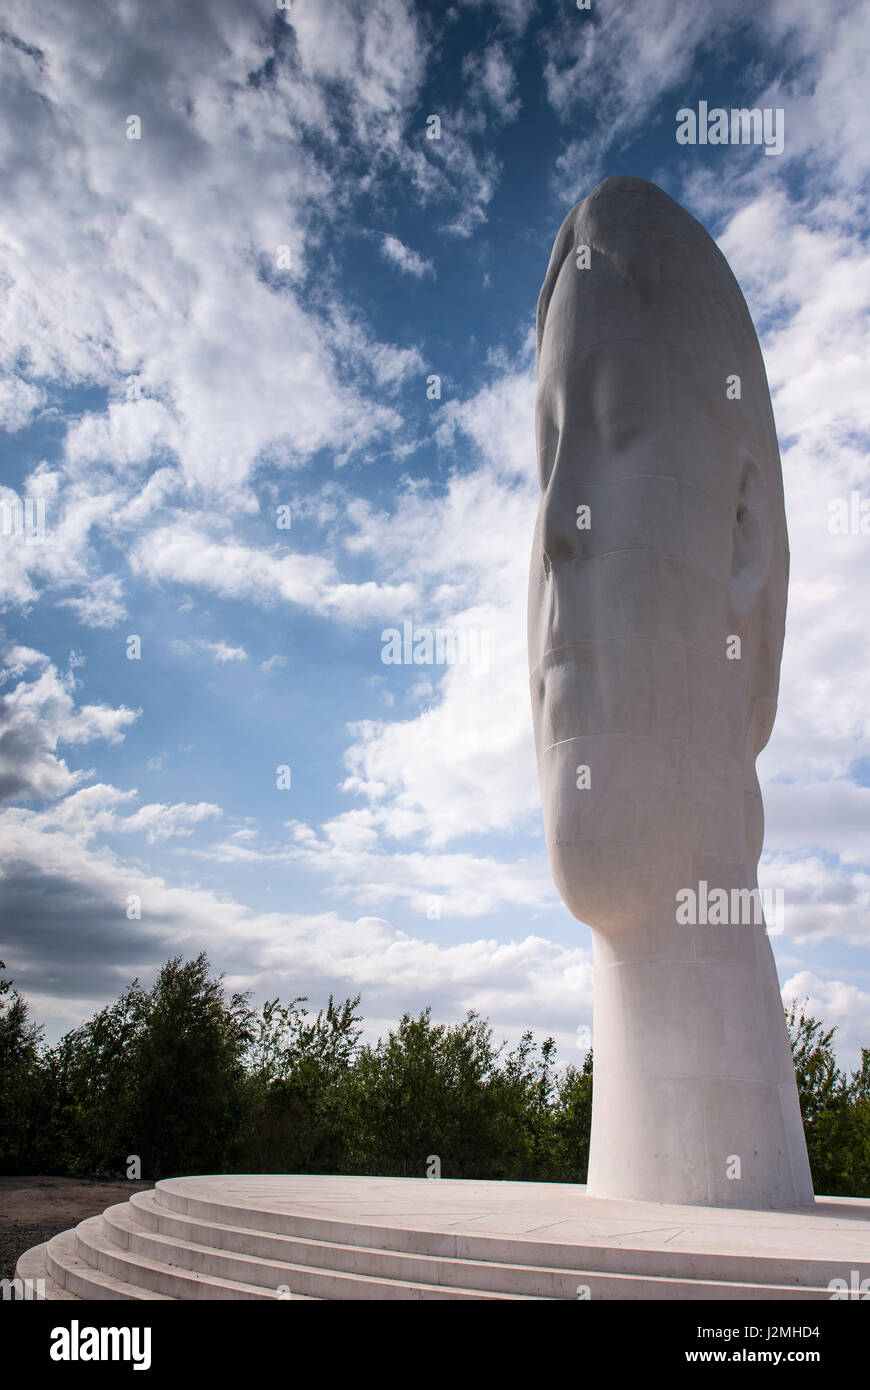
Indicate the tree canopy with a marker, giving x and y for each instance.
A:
(188, 1077)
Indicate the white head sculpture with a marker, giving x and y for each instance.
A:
(657, 604)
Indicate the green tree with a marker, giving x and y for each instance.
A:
(573, 1122)
(187, 1071)
(526, 1087)
(834, 1117)
(426, 1089)
(297, 1072)
(21, 1081)
(192, 1079)
(158, 1074)
(91, 1073)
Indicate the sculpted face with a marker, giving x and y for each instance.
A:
(660, 539)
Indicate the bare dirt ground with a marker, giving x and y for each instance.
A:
(35, 1209)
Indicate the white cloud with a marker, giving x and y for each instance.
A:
(40, 714)
(350, 849)
(221, 651)
(62, 558)
(515, 14)
(215, 356)
(531, 982)
(621, 61)
(806, 276)
(19, 402)
(161, 822)
(836, 1003)
(184, 553)
(465, 763)
(492, 80)
(17, 659)
(617, 63)
(808, 282)
(94, 810)
(100, 604)
(825, 898)
(407, 260)
(825, 103)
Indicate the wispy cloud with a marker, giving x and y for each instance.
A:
(407, 260)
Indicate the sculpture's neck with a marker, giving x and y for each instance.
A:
(695, 1098)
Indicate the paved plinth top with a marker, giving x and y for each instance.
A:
(837, 1228)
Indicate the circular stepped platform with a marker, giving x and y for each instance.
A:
(255, 1237)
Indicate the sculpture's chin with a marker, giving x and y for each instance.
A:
(579, 885)
(619, 886)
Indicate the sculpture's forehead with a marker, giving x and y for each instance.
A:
(612, 342)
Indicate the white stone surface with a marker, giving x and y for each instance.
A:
(629, 625)
(246, 1237)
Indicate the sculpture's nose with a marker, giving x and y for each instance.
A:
(560, 532)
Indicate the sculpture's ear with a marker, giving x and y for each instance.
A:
(751, 543)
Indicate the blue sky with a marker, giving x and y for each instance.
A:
(169, 382)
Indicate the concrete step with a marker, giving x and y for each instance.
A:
(778, 1272)
(270, 1251)
(95, 1245)
(33, 1267)
(327, 1278)
(249, 1236)
(84, 1280)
